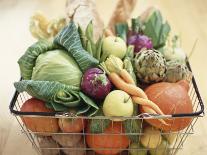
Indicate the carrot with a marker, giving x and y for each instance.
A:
(148, 103)
(151, 111)
(128, 88)
(126, 76)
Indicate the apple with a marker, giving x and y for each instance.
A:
(118, 103)
(114, 46)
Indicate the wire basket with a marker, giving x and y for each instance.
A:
(76, 143)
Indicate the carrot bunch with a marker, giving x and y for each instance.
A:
(123, 81)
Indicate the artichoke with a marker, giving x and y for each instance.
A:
(177, 71)
(150, 66)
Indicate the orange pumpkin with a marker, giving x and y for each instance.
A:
(172, 98)
(114, 143)
(39, 124)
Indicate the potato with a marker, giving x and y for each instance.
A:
(67, 140)
(151, 137)
(48, 142)
(80, 146)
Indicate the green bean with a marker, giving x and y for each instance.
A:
(82, 36)
(89, 48)
(99, 48)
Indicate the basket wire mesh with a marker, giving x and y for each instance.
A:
(47, 145)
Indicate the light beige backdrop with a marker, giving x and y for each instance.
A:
(187, 17)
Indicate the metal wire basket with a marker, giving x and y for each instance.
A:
(61, 143)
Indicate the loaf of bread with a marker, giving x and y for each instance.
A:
(122, 12)
(84, 11)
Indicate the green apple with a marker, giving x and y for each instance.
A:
(118, 103)
(114, 46)
(135, 149)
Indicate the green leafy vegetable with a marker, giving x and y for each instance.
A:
(58, 66)
(44, 62)
(69, 39)
(99, 125)
(121, 30)
(86, 99)
(52, 92)
(137, 25)
(28, 60)
(58, 96)
(133, 126)
(156, 29)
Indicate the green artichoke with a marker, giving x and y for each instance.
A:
(177, 71)
(150, 66)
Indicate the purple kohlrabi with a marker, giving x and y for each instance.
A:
(95, 83)
(139, 42)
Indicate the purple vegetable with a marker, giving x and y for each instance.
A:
(95, 83)
(139, 42)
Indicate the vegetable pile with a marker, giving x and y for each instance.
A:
(140, 69)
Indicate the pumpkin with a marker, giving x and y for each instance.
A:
(114, 143)
(172, 98)
(45, 125)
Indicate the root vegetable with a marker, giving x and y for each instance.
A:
(151, 138)
(78, 149)
(71, 125)
(48, 142)
(67, 140)
(128, 88)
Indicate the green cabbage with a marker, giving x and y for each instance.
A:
(57, 65)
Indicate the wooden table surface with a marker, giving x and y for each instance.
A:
(187, 17)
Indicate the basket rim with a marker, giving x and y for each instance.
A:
(56, 114)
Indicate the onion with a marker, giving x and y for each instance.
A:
(139, 42)
(95, 83)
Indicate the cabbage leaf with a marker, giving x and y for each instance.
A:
(58, 66)
(28, 60)
(58, 96)
(69, 39)
(49, 91)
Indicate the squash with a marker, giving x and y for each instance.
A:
(172, 98)
(114, 143)
(45, 125)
